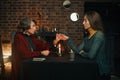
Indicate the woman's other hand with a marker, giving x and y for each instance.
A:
(45, 52)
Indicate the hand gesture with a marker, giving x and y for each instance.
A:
(63, 37)
(58, 37)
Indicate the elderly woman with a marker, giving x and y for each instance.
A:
(27, 45)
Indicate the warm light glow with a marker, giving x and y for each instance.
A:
(6, 56)
(74, 16)
(6, 48)
(8, 67)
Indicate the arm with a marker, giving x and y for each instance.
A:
(72, 45)
(40, 46)
(95, 47)
(65, 36)
(21, 47)
(43, 48)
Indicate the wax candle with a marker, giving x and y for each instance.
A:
(59, 49)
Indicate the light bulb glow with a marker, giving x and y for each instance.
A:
(74, 16)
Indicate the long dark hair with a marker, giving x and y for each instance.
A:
(95, 20)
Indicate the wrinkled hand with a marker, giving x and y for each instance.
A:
(58, 37)
(63, 37)
(45, 52)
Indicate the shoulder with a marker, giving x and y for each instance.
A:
(99, 34)
(19, 35)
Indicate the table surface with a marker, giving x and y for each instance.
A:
(56, 67)
(66, 57)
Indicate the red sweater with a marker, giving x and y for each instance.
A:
(22, 51)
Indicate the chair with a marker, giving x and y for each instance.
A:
(2, 69)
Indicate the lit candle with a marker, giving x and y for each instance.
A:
(59, 49)
(55, 30)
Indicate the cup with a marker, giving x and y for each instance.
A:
(72, 55)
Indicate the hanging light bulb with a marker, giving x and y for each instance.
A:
(67, 3)
(74, 16)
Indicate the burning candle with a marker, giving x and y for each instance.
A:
(59, 49)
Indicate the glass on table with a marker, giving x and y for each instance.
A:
(72, 55)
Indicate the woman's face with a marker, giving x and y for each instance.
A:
(33, 28)
(86, 23)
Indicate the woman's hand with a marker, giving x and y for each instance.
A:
(63, 37)
(45, 52)
(60, 37)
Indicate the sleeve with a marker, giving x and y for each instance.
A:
(72, 45)
(40, 45)
(22, 49)
(95, 47)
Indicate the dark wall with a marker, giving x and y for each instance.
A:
(110, 13)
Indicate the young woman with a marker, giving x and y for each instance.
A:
(93, 45)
